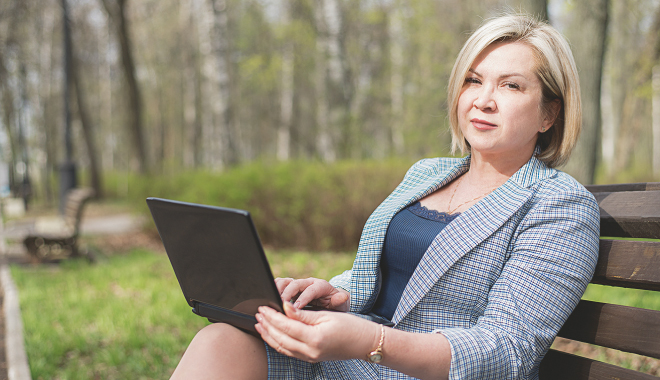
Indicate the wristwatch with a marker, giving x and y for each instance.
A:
(376, 356)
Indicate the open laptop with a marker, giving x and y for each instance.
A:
(218, 260)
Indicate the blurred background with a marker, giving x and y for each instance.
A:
(160, 87)
(305, 112)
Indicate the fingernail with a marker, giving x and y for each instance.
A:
(259, 317)
(296, 305)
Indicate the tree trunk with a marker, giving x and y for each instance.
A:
(87, 127)
(9, 117)
(191, 87)
(624, 34)
(587, 32)
(226, 71)
(286, 100)
(118, 16)
(395, 32)
(325, 61)
(634, 105)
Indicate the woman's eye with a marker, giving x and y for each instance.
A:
(512, 86)
(472, 81)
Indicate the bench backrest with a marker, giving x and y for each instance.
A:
(75, 202)
(627, 211)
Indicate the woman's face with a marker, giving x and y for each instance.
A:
(499, 108)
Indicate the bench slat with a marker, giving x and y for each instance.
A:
(641, 186)
(629, 264)
(623, 328)
(630, 214)
(565, 366)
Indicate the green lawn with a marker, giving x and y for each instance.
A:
(125, 317)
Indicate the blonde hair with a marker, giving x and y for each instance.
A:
(555, 69)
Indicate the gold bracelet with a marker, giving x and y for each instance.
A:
(376, 356)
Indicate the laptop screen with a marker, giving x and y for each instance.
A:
(216, 255)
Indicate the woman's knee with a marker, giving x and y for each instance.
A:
(221, 351)
(222, 334)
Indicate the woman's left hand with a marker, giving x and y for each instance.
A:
(315, 336)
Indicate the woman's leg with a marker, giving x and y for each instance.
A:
(221, 351)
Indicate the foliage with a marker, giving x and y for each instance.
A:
(124, 318)
(298, 204)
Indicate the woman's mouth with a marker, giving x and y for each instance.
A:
(482, 124)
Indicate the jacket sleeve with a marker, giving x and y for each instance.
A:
(551, 260)
(342, 281)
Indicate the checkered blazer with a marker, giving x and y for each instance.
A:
(499, 281)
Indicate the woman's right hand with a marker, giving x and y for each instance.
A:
(312, 291)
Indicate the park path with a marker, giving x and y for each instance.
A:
(13, 358)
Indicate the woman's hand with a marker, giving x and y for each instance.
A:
(315, 336)
(312, 291)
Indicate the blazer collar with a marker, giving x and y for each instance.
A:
(468, 230)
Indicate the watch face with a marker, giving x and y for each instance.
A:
(375, 357)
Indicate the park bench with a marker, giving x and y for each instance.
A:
(627, 211)
(60, 241)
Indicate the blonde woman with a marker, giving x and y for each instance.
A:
(477, 261)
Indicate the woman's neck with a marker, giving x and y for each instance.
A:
(496, 169)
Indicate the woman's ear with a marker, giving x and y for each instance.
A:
(551, 113)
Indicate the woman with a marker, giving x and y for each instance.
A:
(477, 261)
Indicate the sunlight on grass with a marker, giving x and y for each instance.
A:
(646, 299)
(125, 317)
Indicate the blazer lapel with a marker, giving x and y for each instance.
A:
(365, 276)
(467, 231)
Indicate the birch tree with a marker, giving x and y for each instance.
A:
(226, 76)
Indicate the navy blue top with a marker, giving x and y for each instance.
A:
(409, 235)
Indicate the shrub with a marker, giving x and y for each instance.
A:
(301, 205)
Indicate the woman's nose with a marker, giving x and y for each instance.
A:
(485, 99)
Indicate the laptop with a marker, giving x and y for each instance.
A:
(218, 260)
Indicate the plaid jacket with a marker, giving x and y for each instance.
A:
(499, 281)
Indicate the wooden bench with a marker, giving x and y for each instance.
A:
(628, 211)
(62, 241)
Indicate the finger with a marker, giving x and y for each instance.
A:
(339, 301)
(294, 323)
(307, 317)
(280, 333)
(309, 294)
(282, 283)
(294, 288)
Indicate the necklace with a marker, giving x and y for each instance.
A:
(451, 211)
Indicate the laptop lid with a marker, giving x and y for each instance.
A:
(218, 260)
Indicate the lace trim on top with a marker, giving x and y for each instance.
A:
(438, 216)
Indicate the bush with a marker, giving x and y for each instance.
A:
(301, 205)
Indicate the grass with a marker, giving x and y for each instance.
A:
(646, 299)
(123, 318)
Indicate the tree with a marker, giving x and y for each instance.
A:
(587, 32)
(117, 14)
(286, 97)
(87, 127)
(226, 80)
